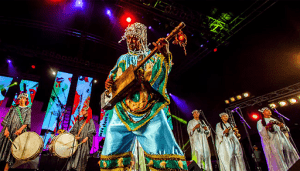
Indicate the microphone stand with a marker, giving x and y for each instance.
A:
(212, 138)
(239, 112)
(281, 116)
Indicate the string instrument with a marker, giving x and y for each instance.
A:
(126, 83)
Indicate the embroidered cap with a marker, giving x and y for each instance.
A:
(23, 95)
(221, 114)
(263, 109)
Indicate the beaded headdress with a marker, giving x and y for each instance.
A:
(23, 95)
(139, 31)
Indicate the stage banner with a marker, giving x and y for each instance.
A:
(58, 100)
(5, 83)
(82, 97)
(29, 87)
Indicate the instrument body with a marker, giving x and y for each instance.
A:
(203, 124)
(63, 145)
(29, 146)
(234, 128)
(128, 80)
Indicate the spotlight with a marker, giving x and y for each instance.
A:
(272, 105)
(79, 3)
(282, 103)
(33, 66)
(215, 49)
(53, 72)
(168, 34)
(181, 37)
(239, 97)
(254, 116)
(246, 94)
(128, 19)
(9, 61)
(201, 45)
(95, 81)
(150, 27)
(292, 100)
(108, 12)
(232, 99)
(227, 101)
(192, 35)
(299, 97)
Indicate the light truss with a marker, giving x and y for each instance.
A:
(290, 90)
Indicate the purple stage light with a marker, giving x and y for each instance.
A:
(9, 61)
(181, 104)
(207, 41)
(79, 3)
(108, 12)
(150, 27)
(201, 45)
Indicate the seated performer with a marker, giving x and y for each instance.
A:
(142, 114)
(228, 146)
(198, 133)
(280, 153)
(84, 131)
(16, 121)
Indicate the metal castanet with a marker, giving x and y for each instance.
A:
(129, 80)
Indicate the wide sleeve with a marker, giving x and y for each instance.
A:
(27, 120)
(74, 129)
(6, 119)
(190, 128)
(120, 64)
(219, 131)
(262, 131)
(91, 133)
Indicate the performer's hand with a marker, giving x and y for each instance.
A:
(205, 127)
(163, 46)
(6, 133)
(77, 137)
(85, 140)
(108, 83)
(226, 131)
(18, 132)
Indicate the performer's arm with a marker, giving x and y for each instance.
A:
(19, 131)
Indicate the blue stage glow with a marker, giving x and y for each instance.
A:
(181, 104)
(8, 61)
(108, 12)
(79, 3)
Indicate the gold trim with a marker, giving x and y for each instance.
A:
(141, 113)
(156, 169)
(116, 156)
(165, 156)
(116, 169)
(118, 113)
(158, 73)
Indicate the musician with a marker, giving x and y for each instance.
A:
(84, 131)
(280, 153)
(142, 114)
(198, 133)
(228, 146)
(16, 121)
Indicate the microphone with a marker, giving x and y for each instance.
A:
(234, 109)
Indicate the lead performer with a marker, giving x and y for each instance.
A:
(280, 153)
(228, 146)
(84, 131)
(198, 133)
(16, 121)
(142, 114)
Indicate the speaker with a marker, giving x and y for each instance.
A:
(295, 167)
(194, 167)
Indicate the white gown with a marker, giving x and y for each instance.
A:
(280, 153)
(199, 145)
(229, 150)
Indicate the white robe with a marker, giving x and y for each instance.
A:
(229, 150)
(199, 145)
(280, 153)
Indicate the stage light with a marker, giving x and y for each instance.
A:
(227, 101)
(246, 94)
(79, 3)
(150, 27)
(9, 61)
(128, 19)
(215, 49)
(167, 34)
(95, 81)
(53, 72)
(201, 45)
(239, 97)
(232, 99)
(254, 116)
(181, 37)
(108, 12)
(207, 41)
(33, 66)
(292, 100)
(272, 105)
(192, 35)
(299, 97)
(282, 103)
